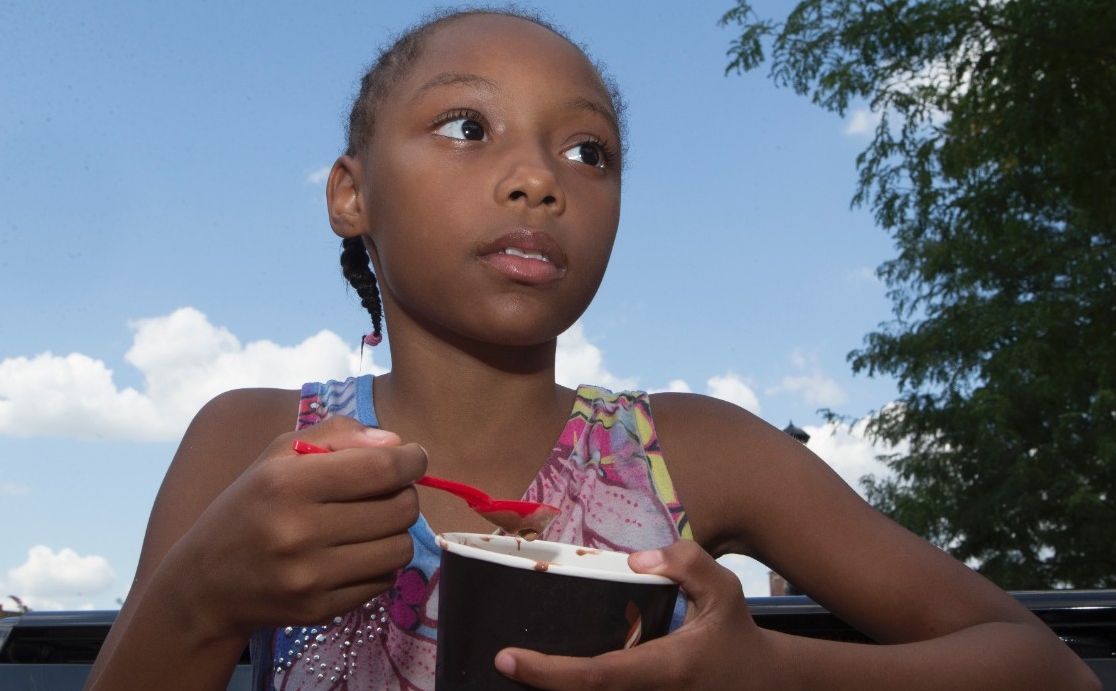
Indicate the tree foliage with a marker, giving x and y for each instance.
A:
(993, 168)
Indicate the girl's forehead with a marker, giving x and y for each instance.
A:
(496, 47)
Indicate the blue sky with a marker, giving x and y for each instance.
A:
(163, 237)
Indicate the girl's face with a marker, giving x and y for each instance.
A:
(491, 186)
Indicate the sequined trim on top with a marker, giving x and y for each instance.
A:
(401, 622)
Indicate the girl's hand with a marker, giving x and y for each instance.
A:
(298, 539)
(719, 646)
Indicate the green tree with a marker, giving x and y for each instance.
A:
(993, 168)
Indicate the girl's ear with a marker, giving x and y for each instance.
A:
(346, 207)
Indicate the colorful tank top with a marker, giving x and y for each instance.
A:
(605, 472)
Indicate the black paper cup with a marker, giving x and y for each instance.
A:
(501, 591)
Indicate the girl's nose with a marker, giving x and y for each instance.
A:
(532, 180)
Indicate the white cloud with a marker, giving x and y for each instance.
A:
(58, 580)
(941, 76)
(578, 361)
(727, 387)
(184, 360)
(863, 274)
(815, 387)
(730, 387)
(678, 386)
(11, 489)
(318, 176)
(849, 452)
(861, 122)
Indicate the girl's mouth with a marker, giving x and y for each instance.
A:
(525, 244)
(528, 267)
(526, 254)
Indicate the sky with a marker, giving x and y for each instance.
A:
(163, 238)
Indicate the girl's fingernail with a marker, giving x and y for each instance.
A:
(505, 663)
(649, 560)
(378, 434)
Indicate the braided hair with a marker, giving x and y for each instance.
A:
(356, 266)
(385, 72)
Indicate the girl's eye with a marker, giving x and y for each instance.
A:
(462, 128)
(588, 153)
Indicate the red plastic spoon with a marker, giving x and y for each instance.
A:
(523, 518)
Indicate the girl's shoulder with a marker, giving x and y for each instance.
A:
(696, 426)
(244, 419)
(729, 466)
(691, 408)
(231, 431)
(234, 428)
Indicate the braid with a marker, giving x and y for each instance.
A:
(357, 268)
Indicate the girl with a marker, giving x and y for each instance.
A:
(482, 182)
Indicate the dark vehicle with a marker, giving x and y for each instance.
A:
(53, 651)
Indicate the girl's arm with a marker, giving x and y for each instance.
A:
(749, 488)
(246, 534)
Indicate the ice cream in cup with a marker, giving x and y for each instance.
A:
(499, 591)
